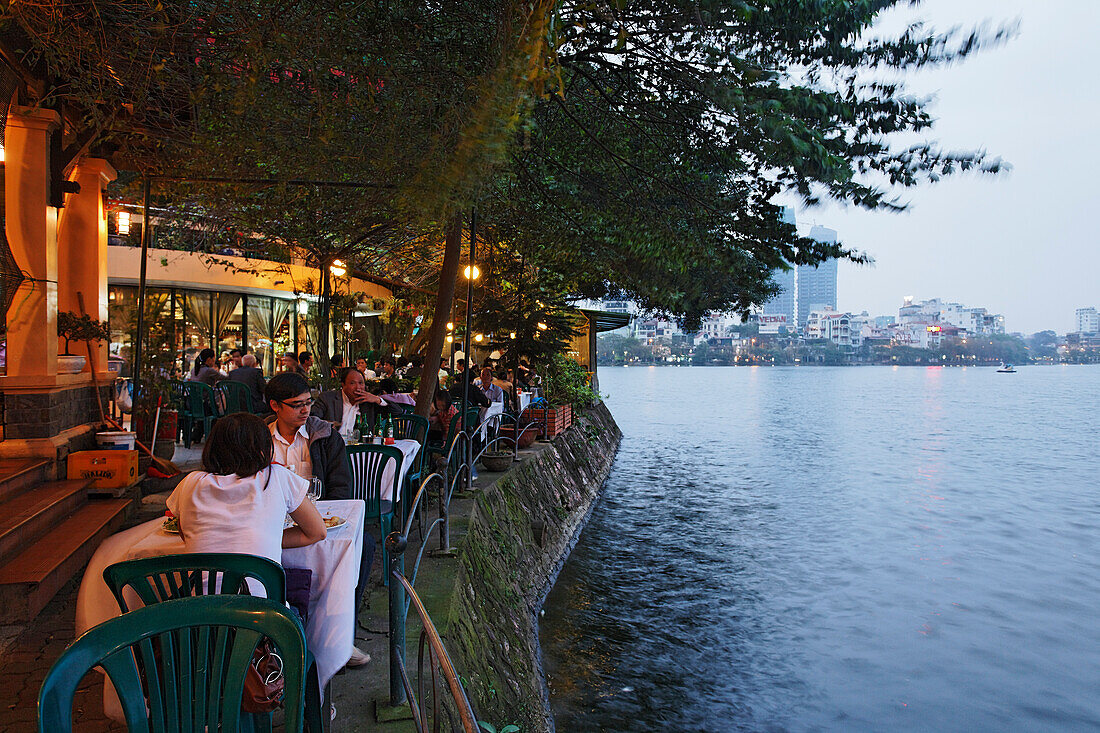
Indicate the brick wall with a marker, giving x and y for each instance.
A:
(29, 415)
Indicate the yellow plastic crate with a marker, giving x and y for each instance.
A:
(108, 469)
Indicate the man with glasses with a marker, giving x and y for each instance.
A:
(310, 447)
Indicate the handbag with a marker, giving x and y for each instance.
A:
(264, 684)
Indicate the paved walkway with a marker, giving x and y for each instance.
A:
(28, 652)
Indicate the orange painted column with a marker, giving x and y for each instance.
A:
(32, 235)
(82, 249)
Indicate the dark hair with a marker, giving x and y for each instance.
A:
(238, 444)
(235, 351)
(389, 360)
(386, 386)
(417, 361)
(345, 372)
(285, 386)
(402, 362)
(461, 363)
(303, 356)
(337, 360)
(201, 359)
(443, 396)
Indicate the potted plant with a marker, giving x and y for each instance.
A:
(496, 461)
(72, 327)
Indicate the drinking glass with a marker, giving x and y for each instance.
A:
(315, 490)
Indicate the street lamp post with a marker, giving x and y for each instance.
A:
(471, 275)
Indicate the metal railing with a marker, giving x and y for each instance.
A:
(433, 661)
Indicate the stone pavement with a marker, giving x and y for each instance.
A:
(26, 653)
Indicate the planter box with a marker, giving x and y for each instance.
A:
(554, 421)
(167, 430)
(527, 435)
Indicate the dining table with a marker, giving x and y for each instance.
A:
(334, 563)
(495, 409)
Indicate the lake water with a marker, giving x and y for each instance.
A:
(875, 548)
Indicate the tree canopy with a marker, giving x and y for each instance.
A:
(627, 148)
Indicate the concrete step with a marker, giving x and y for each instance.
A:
(26, 516)
(30, 579)
(16, 474)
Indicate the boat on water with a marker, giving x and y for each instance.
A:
(1006, 369)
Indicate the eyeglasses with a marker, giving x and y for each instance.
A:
(299, 405)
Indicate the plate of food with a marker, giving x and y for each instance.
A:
(333, 521)
(171, 525)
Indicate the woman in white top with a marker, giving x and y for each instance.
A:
(240, 502)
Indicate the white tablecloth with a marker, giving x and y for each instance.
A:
(494, 409)
(524, 399)
(330, 630)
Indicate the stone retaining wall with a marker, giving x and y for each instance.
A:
(521, 531)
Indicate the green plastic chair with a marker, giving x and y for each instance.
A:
(367, 464)
(236, 397)
(193, 654)
(442, 449)
(170, 577)
(413, 427)
(200, 406)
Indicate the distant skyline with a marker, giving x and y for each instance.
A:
(1020, 243)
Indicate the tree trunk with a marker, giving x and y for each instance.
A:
(323, 318)
(429, 378)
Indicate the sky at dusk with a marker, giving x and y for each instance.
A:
(1022, 243)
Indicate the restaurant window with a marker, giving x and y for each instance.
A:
(122, 318)
(229, 323)
(198, 323)
(268, 329)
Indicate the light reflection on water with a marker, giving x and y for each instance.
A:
(838, 549)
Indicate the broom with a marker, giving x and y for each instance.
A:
(167, 468)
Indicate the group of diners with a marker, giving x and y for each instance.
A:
(256, 469)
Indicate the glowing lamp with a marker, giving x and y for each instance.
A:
(124, 222)
(472, 273)
(450, 339)
(542, 326)
(337, 270)
(478, 338)
(512, 335)
(347, 326)
(450, 326)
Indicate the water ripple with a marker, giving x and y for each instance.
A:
(837, 549)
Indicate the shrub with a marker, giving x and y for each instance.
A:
(567, 383)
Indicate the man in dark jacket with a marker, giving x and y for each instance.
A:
(250, 376)
(342, 406)
(307, 445)
(463, 383)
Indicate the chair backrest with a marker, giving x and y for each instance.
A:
(193, 654)
(236, 397)
(169, 577)
(201, 400)
(410, 427)
(473, 417)
(178, 392)
(368, 466)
